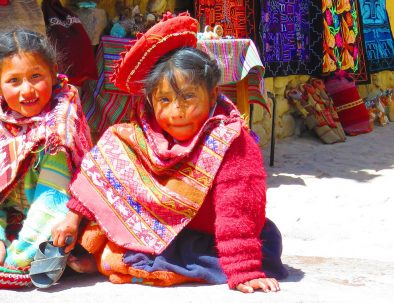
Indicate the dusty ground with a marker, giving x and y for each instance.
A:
(334, 205)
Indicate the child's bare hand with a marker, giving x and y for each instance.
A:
(265, 284)
(66, 228)
(2, 252)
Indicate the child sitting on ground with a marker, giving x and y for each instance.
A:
(43, 137)
(178, 194)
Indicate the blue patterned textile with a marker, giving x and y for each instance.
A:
(377, 35)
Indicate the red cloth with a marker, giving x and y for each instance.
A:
(234, 211)
(351, 109)
(4, 2)
(65, 29)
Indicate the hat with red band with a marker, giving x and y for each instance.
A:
(135, 63)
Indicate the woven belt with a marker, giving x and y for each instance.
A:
(349, 105)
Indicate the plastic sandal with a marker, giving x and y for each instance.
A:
(49, 264)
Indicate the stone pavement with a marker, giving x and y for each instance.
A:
(334, 205)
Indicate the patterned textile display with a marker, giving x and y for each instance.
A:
(143, 193)
(105, 105)
(237, 17)
(62, 127)
(350, 107)
(290, 37)
(316, 108)
(14, 278)
(378, 37)
(343, 45)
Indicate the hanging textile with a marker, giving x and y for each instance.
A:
(237, 17)
(378, 37)
(290, 37)
(343, 45)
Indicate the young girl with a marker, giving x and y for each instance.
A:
(43, 137)
(178, 194)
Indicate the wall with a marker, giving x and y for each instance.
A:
(285, 123)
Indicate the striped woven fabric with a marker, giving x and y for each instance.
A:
(104, 109)
(13, 278)
(108, 52)
(237, 58)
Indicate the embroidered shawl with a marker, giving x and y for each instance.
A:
(60, 126)
(142, 188)
(343, 41)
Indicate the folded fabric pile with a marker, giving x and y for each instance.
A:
(312, 103)
(349, 105)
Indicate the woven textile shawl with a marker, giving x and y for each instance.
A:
(62, 127)
(142, 190)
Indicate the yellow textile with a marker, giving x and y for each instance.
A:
(390, 12)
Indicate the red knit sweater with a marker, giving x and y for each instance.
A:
(234, 211)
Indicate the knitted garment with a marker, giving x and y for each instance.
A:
(45, 187)
(60, 126)
(14, 278)
(143, 187)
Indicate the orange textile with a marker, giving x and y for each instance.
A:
(109, 259)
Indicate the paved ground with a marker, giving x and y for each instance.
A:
(334, 205)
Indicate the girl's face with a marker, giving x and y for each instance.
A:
(26, 83)
(182, 115)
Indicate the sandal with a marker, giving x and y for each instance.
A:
(49, 264)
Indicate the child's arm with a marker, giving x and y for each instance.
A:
(239, 199)
(68, 227)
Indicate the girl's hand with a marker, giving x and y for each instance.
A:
(67, 227)
(266, 284)
(2, 252)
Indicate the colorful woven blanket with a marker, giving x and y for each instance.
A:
(290, 35)
(142, 187)
(379, 42)
(237, 17)
(343, 45)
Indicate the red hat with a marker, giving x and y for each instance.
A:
(167, 35)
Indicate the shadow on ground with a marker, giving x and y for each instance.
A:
(352, 159)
